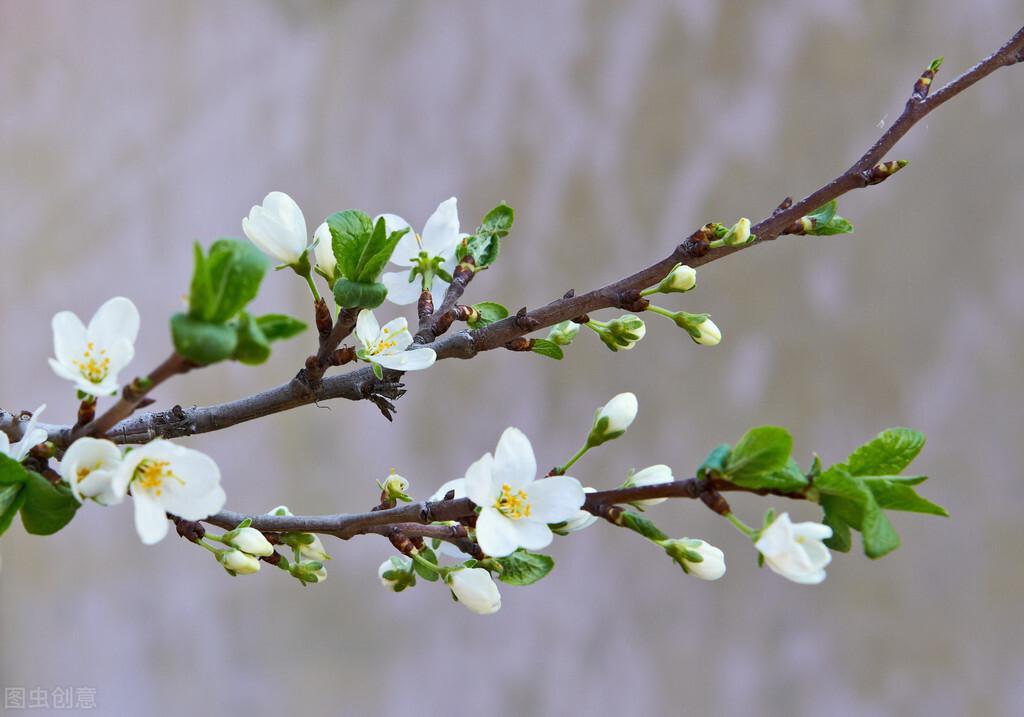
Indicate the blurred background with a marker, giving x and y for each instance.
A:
(129, 131)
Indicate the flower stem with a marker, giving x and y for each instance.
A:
(741, 526)
(663, 312)
(560, 470)
(312, 287)
(427, 564)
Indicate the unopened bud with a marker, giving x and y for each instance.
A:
(563, 333)
(612, 419)
(238, 563)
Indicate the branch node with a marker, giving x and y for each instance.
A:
(520, 344)
(630, 300)
(524, 321)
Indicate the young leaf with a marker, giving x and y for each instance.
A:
(499, 220)
(350, 232)
(887, 454)
(848, 498)
(836, 225)
(47, 507)
(226, 280)
(759, 453)
(202, 342)
(487, 313)
(547, 348)
(824, 213)
(12, 497)
(279, 327)
(351, 294)
(896, 493)
(253, 346)
(524, 568)
(642, 526)
(788, 480)
(377, 252)
(715, 462)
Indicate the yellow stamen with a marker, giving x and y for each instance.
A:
(150, 475)
(513, 505)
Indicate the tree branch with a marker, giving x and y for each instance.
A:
(361, 384)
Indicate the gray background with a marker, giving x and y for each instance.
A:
(130, 130)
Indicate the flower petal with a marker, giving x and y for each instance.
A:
(116, 320)
(287, 213)
(514, 462)
(414, 360)
(532, 535)
(497, 535)
(456, 484)
(555, 499)
(401, 291)
(68, 337)
(480, 486)
(324, 250)
(441, 232)
(367, 328)
(150, 519)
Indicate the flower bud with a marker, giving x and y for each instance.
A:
(652, 475)
(308, 572)
(710, 334)
(249, 540)
(700, 327)
(238, 563)
(395, 487)
(739, 234)
(696, 557)
(278, 228)
(396, 573)
(563, 333)
(682, 278)
(324, 251)
(475, 589)
(613, 419)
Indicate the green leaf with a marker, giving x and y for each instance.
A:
(499, 220)
(253, 347)
(788, 480)
(879, 537)
(487, 313)
(841, 539)
(896, 493)
(524, 568)
(547, 348)
(715, 462)
(853, 503)
(12, 497)
(759, 453)
(836, 225)
(351, 294)
(279, 327)
(226, 280)
(350, 233)
(422, 570)
(47, 507)
(202, 342)
(377, 252)
(824, 213)
(887, 454)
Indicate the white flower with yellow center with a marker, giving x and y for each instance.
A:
(89, 467)
(30, 438)
(167, 478)
(430, 256)
(515, 509)
(796, 551)
(92, 356)
(385, 347)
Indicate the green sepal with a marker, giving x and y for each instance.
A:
(202, 342)
(487, 313)
(547, 348)
(643, 526)
(351, 294)
(224, 280)
(524, 568)
(403, 578)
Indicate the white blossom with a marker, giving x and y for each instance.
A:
(434, 248)
(168, 478)
(278, 228)
(796, 551)
(249, 540)
(613, 418)
(475, 589)
(515, 509)
(386, 346)
(31, 438)
(89, 467)
(92, 356)
(239, 562)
